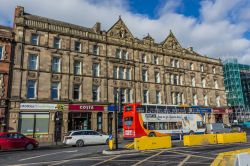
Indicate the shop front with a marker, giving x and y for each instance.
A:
(41, 121)
(87, 117)
(220, 115)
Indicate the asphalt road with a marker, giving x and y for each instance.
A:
(91, 155)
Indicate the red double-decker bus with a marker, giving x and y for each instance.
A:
(159, 120)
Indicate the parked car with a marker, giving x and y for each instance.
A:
(80, 138)
(14, 140)
(214, 128)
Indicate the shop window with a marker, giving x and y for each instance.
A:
(32, 62)
(99, 121)
(79, 120)
(34, 39)
(34, 125)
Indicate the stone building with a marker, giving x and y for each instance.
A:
(72, 72)
(5, 59)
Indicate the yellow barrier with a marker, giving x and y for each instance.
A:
(147, 143)
(231, 138)
(228, 158)
(130, 146)
(204, 139)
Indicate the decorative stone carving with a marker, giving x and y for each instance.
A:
(77, 79)
(32, 75)
(97, 81)
(56, 77)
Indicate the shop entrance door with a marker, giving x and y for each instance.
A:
(80, 121)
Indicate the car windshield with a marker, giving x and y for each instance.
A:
(68, 134)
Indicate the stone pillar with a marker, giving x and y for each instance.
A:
(105, 122)
(94, 121)
(225, 118)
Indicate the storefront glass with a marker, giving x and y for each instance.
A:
(99, 121)
(34, 124)
(80, 121)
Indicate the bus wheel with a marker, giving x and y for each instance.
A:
(151, 134)
(191, 133)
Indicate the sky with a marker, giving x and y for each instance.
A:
(215, 28)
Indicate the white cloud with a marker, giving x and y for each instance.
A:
(217, 33)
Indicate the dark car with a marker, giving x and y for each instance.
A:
(15, 140)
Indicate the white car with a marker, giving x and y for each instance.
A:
(80, 138)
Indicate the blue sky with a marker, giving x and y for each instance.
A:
(215, 28)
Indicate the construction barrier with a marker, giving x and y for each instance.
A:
(148, 143)
(204, 139)
(237, 157)
(231, 138)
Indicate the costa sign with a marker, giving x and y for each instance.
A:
(84, 107)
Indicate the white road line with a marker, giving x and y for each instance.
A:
(106, 160)
(47, 155)
(193, 155)
(183, 161)
(147, 158)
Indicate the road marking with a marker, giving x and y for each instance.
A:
(148, 158)
(183, 161)
(193, 155)
(73, 151)
(106, 160)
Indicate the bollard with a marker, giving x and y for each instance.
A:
(111, 144)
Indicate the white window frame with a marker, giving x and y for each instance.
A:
(80, 90)
(59, 65)
(115, 69)
(203, 82)
(205, 100)
(80, 46)
(195, 100)
(36, 61)
(144, 58)
(157, 77)
(98, 93)
(146, 75)
(3, 48)
(158, 97)
(216, 86)
(214, 70)
(218, 104)
(147, 96)
(98, 70)
(58, 90)
(193, 81)
(80, 67)
(37, 40)
(35, 89)
(59, 45)
(97, 52)
(128, 73)
(202, 68)
(191, 66)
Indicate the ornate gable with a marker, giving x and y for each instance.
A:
(120, 30)
(171, 42)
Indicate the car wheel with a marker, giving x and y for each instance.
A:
(151, 134)
(29, 147)
(191, 133)
(79, 143)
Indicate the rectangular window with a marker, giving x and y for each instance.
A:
(156, 60)
(56, 64)
(77, 46)
(144, 58)
(216, 84)
(77, 67)
(32, 62)
(55, 90)
(193, 81)
(214, 70)
(203, 82)
(195, 100)
(31, 89)
(123, 95)
(130, 95)
(118, 53)
(202, 68)
(177, 64)
(144, 75)
(173, 96)
(128, 74)
(34, 39)
(77, 92)
(205, 100)
(172, 61)
(96, 50)
(115, 72)
(158, 97)
(218, 101)
(175, 79)
(157, 77)
(95, 93)
(124, 54)
(1, 52)
(121, 73)
(191, 66)
(99, 121)
(145, 96)
(95, 69)
(57, 42)
(115, 94)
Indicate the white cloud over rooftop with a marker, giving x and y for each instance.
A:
(218, 32)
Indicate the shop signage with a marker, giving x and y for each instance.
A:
(85, 107)
(222, 111)
(41, 106)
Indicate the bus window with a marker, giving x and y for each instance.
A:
(200, 125)
(129, 108)
(145, 125)
(128, 121)
(139, 109)
(173, 125)
(151, 125)
(161, 126)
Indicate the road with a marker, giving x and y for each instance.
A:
(91, 155)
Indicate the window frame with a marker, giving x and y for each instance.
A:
(80, 67)
(35, 89)
(1, 52)
(97, 89)
(37, 39)
(58, 90)
(36, 65)
(96, 69)
(80, 46)
(55, 43)
(59, 64)
(79, 92)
